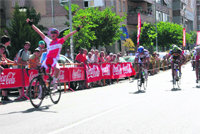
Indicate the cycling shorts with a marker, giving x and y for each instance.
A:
(50, 62)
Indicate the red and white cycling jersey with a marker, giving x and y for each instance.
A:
(53, 50)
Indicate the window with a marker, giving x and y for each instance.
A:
(86, 4)
(124, 6)
(198, 17)
(198, 27)
(120, 6)
(112, 3)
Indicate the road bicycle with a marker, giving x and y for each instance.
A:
(143, 77)
(176, 78)
(40, 88)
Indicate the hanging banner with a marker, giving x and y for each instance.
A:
(184, 37)
(139, 30)
(198, 37)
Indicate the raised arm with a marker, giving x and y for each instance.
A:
(70, 34)
(35, 28)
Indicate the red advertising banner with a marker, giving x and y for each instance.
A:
(139, 29)
(117, 71)
(93, 72)
(121, 70)
(11, 78)
(128, 69)
(106, 71)
(198, 38)
(76, 73)
(184, 37)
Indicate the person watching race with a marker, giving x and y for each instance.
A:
(54, 46)
(176, 55)
(196, 58)
(142, 56)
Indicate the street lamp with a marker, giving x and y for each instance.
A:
(62, 3)
(156, 28)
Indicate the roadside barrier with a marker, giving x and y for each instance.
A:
(15, 78)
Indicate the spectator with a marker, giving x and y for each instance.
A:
(89, 58)
(109, 57)
(4, 61)
(42, 47)
(68, 54)
(114, 58)
(81, 57)
(22, 59)
(102, 57)
(85, 51)
(5, 40)
(34, 59)
(118, 58)
(96, 57)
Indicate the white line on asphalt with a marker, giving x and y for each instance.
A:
(87, 119)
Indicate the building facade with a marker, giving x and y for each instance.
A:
(198, 14)
(151, 11)
(184, 13)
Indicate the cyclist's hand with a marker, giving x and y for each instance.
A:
(28, 20)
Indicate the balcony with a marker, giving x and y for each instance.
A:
(132, 19)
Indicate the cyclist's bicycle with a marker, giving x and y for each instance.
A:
(143, 77)
(176, 78)
(39, 88)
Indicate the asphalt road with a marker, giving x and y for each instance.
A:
(114, 109)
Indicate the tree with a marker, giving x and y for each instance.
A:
(101, 28)
(19, 31)
(167, 34)
(129, 44)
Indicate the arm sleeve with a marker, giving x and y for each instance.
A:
(47, 40)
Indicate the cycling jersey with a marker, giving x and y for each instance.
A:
(143, 55)
(197, 53)
(53, 50)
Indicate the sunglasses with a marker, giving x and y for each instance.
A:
(54, 32)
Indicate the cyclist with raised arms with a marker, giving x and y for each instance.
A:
(142, 56)
(54, 46)
(176, 55)
(197, 58)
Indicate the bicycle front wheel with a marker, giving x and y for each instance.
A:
(55, 92)
(35, 92)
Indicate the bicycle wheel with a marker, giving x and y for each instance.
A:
(55, 92)
(35, 92)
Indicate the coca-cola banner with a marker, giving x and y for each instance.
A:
(11, 78)
(106, 71)
(93, 72)
(121, 70)
(76, 73)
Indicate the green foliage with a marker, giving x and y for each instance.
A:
(100, 28)
(19, 31)
(167, 34)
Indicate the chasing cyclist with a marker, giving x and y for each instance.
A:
(142, 56)
(54, 46)
(177, 56)
(197, 58)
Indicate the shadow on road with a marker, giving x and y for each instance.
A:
(41, 109)
(137, 92)
(175, 89)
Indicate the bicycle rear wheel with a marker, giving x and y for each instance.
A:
(55, 92)
(35, 92)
